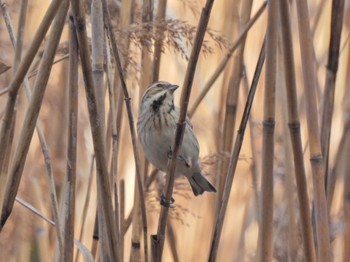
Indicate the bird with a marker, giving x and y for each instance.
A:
(156, 127)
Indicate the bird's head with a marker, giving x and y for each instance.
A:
(160, 95)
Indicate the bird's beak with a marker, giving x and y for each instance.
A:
(172, 88)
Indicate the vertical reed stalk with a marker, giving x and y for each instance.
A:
(97, 44)
(232, 102)
(69, 188)
(158, 240)
(234, 159)
(158, 44)
(266, 215)
(294, 129)
(104, 191)
(316, 158)
(331, 75)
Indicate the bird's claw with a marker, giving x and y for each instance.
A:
(166, 203)
(170, 153)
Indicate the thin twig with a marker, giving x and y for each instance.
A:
(34, 210)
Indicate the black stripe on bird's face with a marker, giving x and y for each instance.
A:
(158, 102)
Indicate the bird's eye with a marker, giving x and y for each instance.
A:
(159, 85)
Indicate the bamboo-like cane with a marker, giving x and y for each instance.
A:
(158, 44)
(234, 159)
(19, 76)
(69, 188)
(97, 45)
(267, 200)
(226, 141)
(294, 128)
(158, 240)
(127, 98)
(331, 75)
(104, 192)
(316, 158)
(289, 185)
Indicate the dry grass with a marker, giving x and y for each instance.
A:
(69, 151)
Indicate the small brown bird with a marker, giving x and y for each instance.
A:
(156, 127)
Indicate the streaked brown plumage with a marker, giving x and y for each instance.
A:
(156, 128)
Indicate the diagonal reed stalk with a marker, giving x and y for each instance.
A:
(18, 78)
(225, 59)
(329, 89)
(158, 240)
(127, 99)
(30, 120)
(69, 188)
(43, 144)
(294, 129)
(104, 191)
(234, 159)
(266, 215)
(316, 158)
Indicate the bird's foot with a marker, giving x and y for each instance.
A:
(166, 203)
(170, 153)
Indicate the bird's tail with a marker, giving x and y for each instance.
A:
(200, 184)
